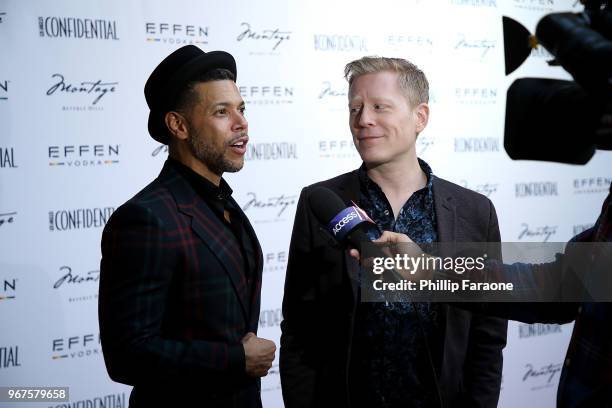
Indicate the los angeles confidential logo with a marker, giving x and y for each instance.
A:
(78, 28)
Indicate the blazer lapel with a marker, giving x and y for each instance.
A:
(218, 238)
(446, 218)
(446, 214)
(257, 246)
(207, 226)
(255, 298)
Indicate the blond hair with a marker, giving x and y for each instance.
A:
(411, 79)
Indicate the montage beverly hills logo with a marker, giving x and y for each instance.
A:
(539, 233)
(332, 96)
(541, 376)
(263, 40)
(485, 188)
(79, 285)
(474, 47)
(268, 208)
(329, 89)
(81, 94)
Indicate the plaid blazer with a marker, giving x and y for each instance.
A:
(174, 301)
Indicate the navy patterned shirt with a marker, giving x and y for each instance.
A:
(390, 363)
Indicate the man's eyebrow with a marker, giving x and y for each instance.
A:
(226, 104)
(380, 99)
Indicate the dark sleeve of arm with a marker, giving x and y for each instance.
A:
(297, 368)
(549, 276)
(538, 275)
(138, 263)
(484, 360)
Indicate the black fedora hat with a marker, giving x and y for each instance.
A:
(170, 77)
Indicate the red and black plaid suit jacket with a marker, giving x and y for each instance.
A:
(174, 303)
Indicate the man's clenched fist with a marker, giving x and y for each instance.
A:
(259, 354)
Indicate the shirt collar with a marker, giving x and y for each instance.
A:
(367, 182)
(201, 184)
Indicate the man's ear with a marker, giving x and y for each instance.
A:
(177, 125)
(421, 113)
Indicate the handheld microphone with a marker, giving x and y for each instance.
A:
(351, 226)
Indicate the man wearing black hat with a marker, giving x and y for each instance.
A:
(181, 265)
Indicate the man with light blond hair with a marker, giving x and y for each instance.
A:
(339, 351)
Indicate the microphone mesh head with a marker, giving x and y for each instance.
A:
(325, 204)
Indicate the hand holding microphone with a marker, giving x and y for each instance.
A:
(387, 238)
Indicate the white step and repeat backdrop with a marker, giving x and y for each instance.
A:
(74, 146)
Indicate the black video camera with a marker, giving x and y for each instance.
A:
(557, 120)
